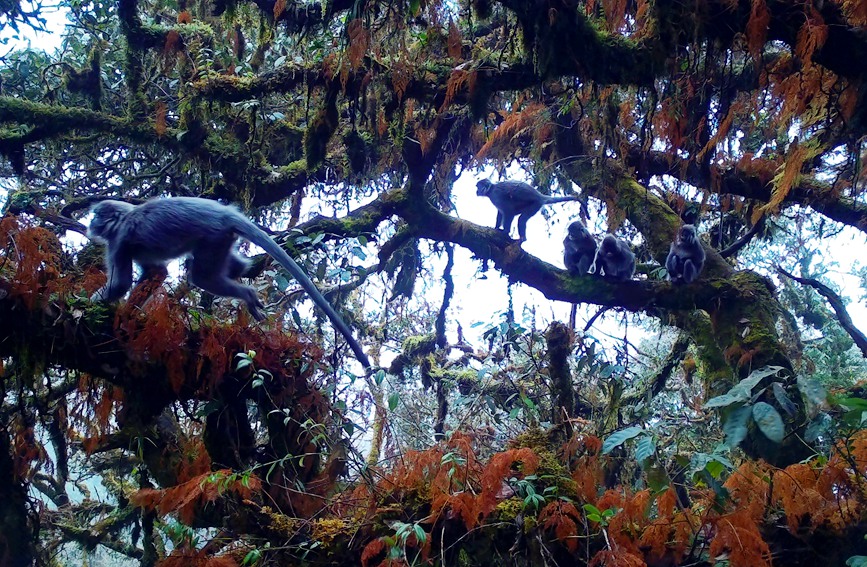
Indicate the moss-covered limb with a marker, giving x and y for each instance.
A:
(559, 341)
(58, 121)
(361, 221)
(215, 150)
(734, 180)
(589, 53)
(105, 533)
(554, 283)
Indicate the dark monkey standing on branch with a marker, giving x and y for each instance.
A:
(515, 198)
(161, 230)
(579, 249)
(614, 260)
(685, 257)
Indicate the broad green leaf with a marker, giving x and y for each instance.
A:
(744, 388)
(645, 449)
(857, 561)
(721, 401)
(769, 421)
(617, 438)
(657, 478)
(735, 425)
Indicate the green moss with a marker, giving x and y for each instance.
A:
(508, 510)
(418, 345)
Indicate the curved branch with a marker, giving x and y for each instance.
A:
(839, 308)
(738, 244)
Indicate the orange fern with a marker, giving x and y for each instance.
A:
(187, 498)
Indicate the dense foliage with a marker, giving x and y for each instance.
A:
(171, 429)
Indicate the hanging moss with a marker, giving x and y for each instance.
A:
(320, 131)
(87, 80)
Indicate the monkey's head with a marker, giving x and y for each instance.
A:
(106, 216)
(609, 247)
(577, 230)
(483, 187)
(687, 234)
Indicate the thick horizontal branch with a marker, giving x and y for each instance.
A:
(732, 180)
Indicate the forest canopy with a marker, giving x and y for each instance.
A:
(515, 412)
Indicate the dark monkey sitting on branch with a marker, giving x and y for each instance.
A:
(161, 230)
(685, 257)
(614, 260)
(515, 198)
(579, 249)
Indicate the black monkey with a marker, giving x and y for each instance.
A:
(160, 230)
(579, 248)
(515, 198)
(685, 257)
(614, 260)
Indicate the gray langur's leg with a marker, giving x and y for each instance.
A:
(522, 221)
(507, 223)
(236, 265)
(209, 269)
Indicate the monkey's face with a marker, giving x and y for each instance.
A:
(687, 234)
(577, 231)
(608, 248)
(105, 220)
(483, 187)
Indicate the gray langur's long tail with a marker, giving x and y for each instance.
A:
(259, 237)
(550, 200)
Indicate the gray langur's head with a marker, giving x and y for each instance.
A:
(106, 215)
(577, 230)
(609, 246)
(687, 234)
(483, 187)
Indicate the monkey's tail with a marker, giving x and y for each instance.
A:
(257, 236)
(550, 200)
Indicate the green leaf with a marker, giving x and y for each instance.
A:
(645, 449)
(857, 561)
(420, 535)
(253, 556)
(735, 425)
(657, 478)
(769, 421)
(379, 377)
(721, 401)
(393, 400)
(617, 438)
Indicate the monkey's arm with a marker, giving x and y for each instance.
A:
(119, 268)
(690, 272)
(584, 264)
(671, 263)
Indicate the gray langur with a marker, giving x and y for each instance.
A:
(515, 198)
(685, 257)
(614, 260)
(161, 230)
(579, 248)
